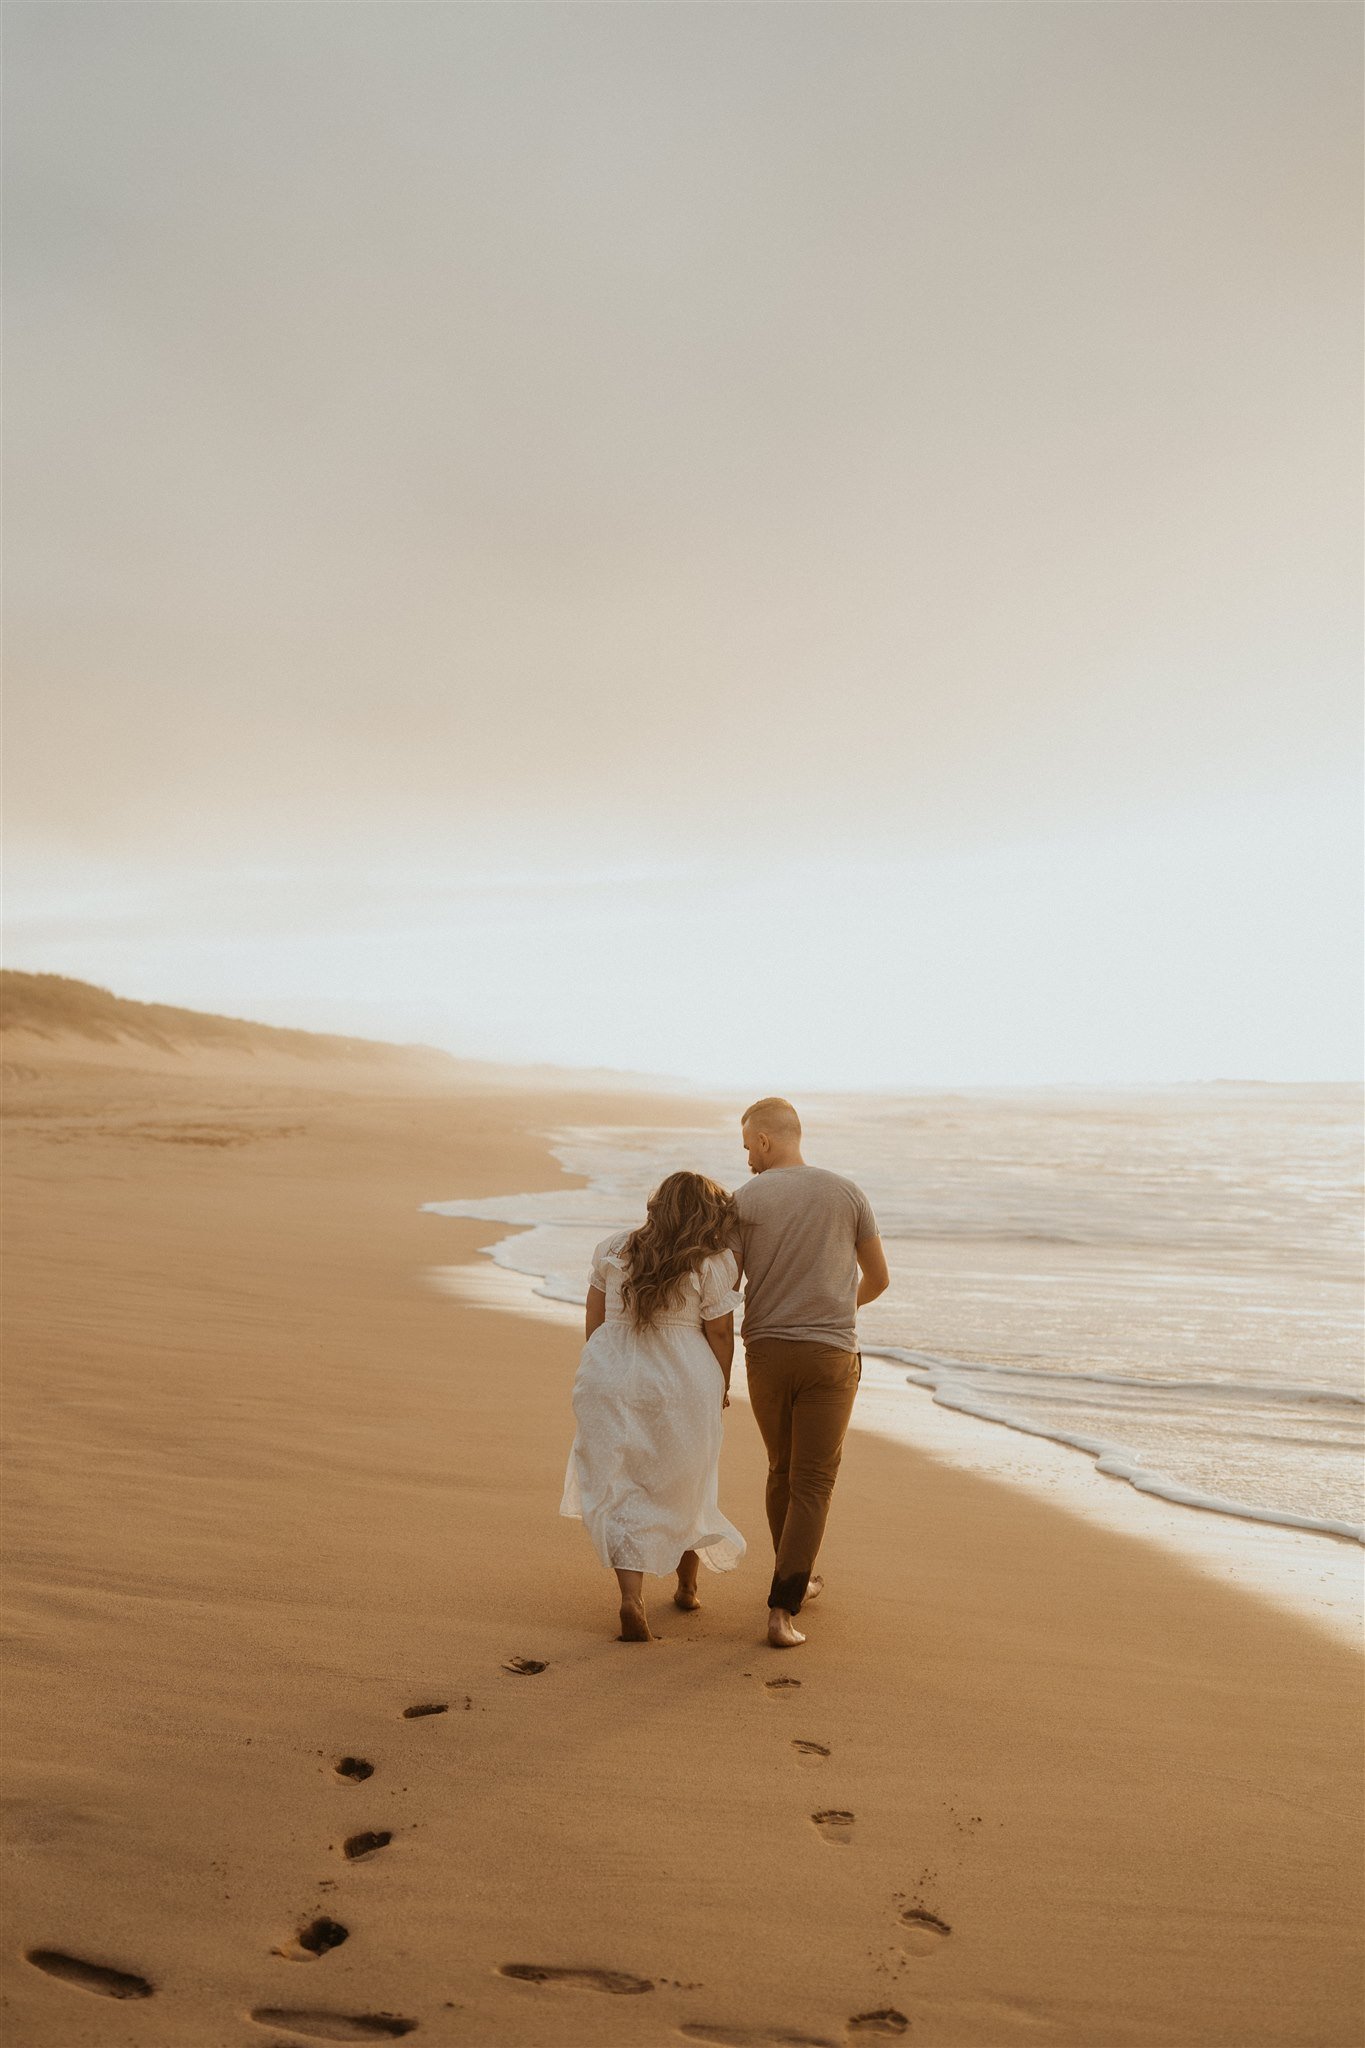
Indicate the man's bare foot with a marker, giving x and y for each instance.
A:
(783, 1634)
(635, 1626)
(815, 1588)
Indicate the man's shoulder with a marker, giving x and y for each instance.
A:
(814, 1183)
(837, 1187)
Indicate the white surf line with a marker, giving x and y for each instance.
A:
(1312, 1573)
(502, 1287)
(1110, 1459)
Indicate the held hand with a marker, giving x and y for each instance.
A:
(725, 1399)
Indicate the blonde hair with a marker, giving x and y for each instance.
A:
(686, 1219)
(773, 1115)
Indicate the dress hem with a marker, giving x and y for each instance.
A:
(703, 1545)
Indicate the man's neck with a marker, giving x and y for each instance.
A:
(785, 1158)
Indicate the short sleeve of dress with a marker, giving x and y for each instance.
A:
(719, 1294)
(602, 1258)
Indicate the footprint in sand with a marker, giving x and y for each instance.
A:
(525, 1667)
(922, 1930)
(781, 1685)
(316, 1938)
(834, 1825)
(97, 1977)
(811, 1752)
(334, 2026)
(619, 1981)
(886, 2021)
(752, 2037)
(353, 1769)
(356, 1846)
(420, 1713)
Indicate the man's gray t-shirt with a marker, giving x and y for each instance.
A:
(798, 1226)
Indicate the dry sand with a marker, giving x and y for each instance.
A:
(268, 1489)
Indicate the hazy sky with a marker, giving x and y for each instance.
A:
(814, 544)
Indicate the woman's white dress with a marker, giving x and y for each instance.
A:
(644, 1465)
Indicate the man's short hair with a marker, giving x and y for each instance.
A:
(773, 1115)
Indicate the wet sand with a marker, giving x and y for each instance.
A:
(269, 1489)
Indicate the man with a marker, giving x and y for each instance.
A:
(811, 1257)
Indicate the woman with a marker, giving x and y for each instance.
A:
(652, 1381)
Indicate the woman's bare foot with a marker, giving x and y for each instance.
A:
(635, 1626)
(686, 1595)
(783, 1634)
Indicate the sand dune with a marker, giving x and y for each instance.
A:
(51, 1020)
(67, 1013)
(317, 1731)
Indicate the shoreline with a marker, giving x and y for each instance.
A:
(1163, 1429)
(271, 1490)
(1312, 1574)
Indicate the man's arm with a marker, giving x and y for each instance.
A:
(735, 1245)
(876, 1274)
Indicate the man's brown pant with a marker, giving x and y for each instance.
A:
(802, 1397)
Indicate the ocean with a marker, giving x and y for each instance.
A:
(1168, 1281)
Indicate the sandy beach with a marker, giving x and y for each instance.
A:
(270, 1491)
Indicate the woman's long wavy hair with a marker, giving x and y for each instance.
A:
(686, 1219)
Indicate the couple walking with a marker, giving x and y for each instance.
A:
(655, 1371)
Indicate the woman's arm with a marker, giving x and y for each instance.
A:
(719, 1333)
(596, 1313)
(876, 1274)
